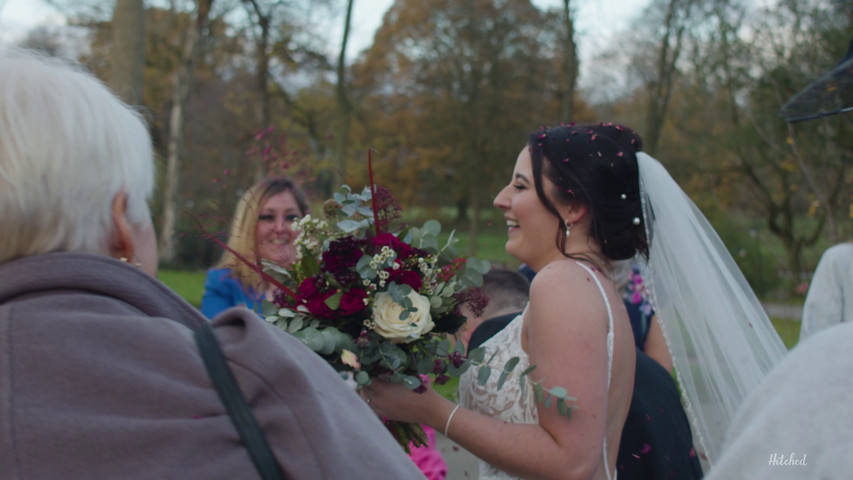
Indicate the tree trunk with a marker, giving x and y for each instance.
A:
(344, 106)
(182, 81)
(660, 88)
(474, 225)
(127, 59)
(262, 61)
(570, 66)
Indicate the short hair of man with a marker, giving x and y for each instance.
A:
(507, 290)
(68, 146)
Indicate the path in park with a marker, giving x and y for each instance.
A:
(786, 312)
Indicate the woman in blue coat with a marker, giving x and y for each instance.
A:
(261, 231)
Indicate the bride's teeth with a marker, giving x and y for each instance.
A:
(511, 223)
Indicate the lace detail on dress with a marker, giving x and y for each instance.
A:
(509, 403)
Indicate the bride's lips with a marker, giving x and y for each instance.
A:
(511, 224)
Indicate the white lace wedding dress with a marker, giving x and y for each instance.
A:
(509, 403)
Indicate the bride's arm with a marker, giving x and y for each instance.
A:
(566, 325)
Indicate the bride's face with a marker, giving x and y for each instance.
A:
(531, 228)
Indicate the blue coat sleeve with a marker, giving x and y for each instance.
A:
(221, 292)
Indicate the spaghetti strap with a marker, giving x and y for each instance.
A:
(609, 351)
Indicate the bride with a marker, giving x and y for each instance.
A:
(581, 197)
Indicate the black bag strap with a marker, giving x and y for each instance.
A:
(235, 403)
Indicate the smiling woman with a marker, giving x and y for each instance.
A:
(261, 231)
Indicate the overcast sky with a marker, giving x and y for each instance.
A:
(597, 16)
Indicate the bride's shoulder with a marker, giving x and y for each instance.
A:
(566, 268)
(561, 277)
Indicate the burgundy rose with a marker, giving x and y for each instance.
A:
(403, 249)
(342, 255)
(402, 276)
(352, 301)
(314, 298)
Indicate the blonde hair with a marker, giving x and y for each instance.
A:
(68, 146)
(241, 237)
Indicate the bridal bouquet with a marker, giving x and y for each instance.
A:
(377, 302)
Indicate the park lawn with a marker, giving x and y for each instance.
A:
(788, 330)
(188, 284)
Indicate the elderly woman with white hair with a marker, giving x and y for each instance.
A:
(106, 373)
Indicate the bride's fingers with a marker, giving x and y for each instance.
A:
(364, 396)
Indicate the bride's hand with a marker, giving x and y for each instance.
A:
(395, 401)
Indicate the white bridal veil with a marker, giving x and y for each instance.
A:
(721, 340)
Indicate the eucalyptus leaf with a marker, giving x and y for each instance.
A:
(334, 301)
(527, 370)
(362, 378)
(460, 346)
(295, 325)
(349, 225)
(268, 309)
(477, 355)
(329, 341)
(364, 269)
(432, 227)
(312, 338)
(559, 392)
(310, 265)
(443, 347)
(411, 382)
(538, 393)
(502, 379)
(510, 365)
(425, 364)
(562, 407)
(484, 374)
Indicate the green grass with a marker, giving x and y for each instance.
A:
(789, 330)
(188, 284)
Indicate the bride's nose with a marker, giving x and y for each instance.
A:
(502, 199)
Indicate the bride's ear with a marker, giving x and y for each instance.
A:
(121, 239)
(575, 212)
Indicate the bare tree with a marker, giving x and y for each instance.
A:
(570, 64)
(182, 82)
(344, 105)
(128, 50)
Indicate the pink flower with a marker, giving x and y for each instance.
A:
(636, 297)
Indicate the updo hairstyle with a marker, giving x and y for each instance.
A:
(595, 166)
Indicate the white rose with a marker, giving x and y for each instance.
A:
(386, 318)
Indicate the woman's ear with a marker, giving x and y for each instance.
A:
(121, 242)
(575, 212)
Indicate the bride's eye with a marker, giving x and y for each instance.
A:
(265, 217)
(518, 186)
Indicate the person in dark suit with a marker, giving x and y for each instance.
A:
(507, 291)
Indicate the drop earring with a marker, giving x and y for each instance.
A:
(568, 228)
